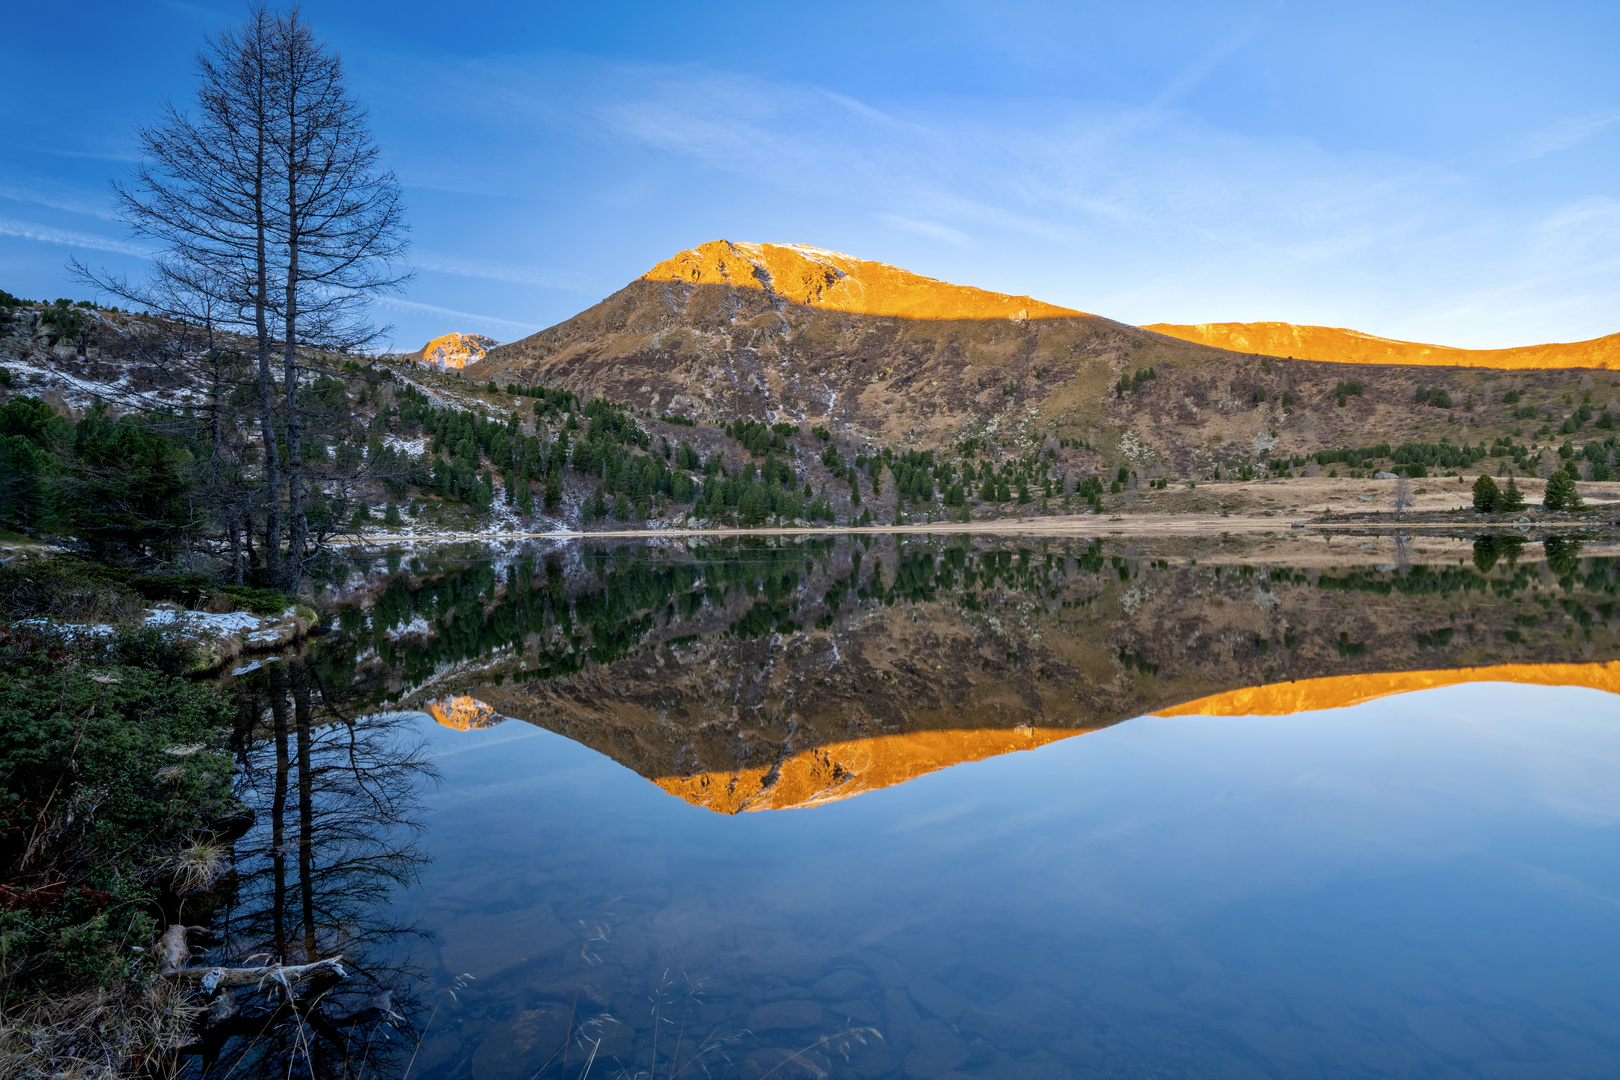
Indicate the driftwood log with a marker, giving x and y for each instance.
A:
(174, 953)
(211, 979)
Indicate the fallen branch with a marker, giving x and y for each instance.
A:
(211, 979)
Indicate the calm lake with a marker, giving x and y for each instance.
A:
(923, 807)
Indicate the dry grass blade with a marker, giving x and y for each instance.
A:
(100, 1036)
(198, 865)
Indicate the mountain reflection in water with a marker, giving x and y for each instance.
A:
(1125, 905)
(771, 674)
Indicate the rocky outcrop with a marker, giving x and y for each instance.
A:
(222, 639)
(452, 352)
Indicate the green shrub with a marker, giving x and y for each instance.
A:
(155, 648)
(65, 589)
(127, 486)
(92, 788)
(258, 601)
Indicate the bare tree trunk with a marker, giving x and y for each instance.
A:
(267, 413)
(261, 51)
(278, 818)
(297, 529)
(234, 539)
(306, 813)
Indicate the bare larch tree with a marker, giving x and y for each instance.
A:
(273, 213)
(338, 225)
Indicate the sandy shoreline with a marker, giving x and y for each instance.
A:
(1074, 526)
(1334, 504)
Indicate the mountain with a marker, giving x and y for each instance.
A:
(788, 332)
(1353, 347)
(454, 351)
(885, 357)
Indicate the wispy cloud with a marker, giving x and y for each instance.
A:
(1563, 135)
(54, 199)
(466, 320)
(1205, 65)
(544, 277)
(46, 234)
(925, 228)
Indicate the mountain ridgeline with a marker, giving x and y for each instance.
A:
(882, 356)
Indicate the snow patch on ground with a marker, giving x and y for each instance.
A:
(414, 447)
(417, 625)
(235, 622)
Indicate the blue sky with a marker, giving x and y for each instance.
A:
(1436, 172)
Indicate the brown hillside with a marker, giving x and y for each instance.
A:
(1353, 347)
(791, 333)
(883, 356)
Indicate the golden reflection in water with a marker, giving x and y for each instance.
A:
(1338, 691)
(840, 770)
(463, 713)
(835, 282)
(843, 769)
(1332, 343)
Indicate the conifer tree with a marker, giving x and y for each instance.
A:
(1486, 494)
(1511, 499)
(1561, 493)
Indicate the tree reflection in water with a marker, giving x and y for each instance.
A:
(338, 821)
(724, 671)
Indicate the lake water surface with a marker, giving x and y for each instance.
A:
(903, 809)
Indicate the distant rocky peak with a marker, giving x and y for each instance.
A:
(455, 351)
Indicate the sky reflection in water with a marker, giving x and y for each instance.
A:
(1421, 885)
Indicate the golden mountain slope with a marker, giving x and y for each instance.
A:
(1341, 691)
(834, 282)
(1338, 345)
